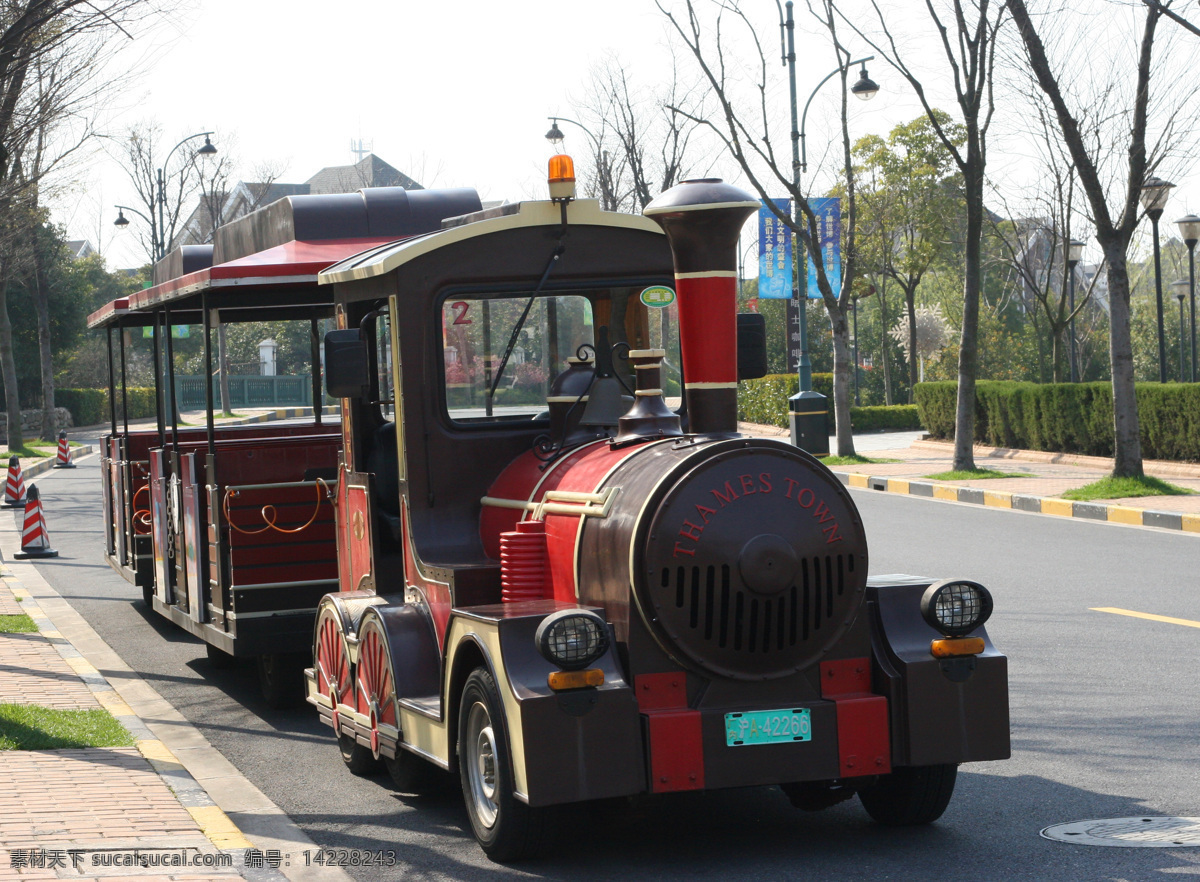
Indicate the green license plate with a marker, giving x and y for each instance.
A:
(768, 727)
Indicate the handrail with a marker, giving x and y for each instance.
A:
(269, 512)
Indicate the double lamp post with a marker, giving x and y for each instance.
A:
(1154, 201)
(158, 231)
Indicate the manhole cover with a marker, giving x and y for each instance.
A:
(1129, 832)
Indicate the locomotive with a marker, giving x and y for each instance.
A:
(584, 593)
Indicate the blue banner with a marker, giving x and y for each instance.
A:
(829, 234)
(774, 252)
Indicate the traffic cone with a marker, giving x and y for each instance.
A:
(35, 541)
(64, 453)
(14, 490)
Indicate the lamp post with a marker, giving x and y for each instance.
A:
(160, 196)
(1074, 255)
(1189, 228)
(865, 89)
(608, 198)
(1181, 291)
(1154, 200)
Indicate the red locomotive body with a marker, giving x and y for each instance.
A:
(568, 591)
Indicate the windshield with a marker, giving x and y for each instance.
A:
(477, 333)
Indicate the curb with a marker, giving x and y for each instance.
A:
(1093, 511)
(45, 465)
(286, 413)
(202, 781)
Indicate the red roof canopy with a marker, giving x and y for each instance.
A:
(293, 263)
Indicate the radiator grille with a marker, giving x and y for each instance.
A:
(732, 618)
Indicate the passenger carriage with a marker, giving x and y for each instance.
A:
(229, 529)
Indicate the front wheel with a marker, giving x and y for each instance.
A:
(506, 829)
(910, 795)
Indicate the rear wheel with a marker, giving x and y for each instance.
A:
(412, 774)
(281, 678)
(910, 795)
(506, 829)
(218, 658)
(358, 759)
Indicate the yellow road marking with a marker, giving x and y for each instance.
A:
(1188, 623)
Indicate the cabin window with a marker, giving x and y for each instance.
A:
(500, 361)
(382, 332)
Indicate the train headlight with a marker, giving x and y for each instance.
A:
(956, 606)
(572, 638)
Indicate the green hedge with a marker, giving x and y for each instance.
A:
(765, 401)
(1068, 417)
(89, 407)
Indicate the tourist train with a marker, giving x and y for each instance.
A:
(533, 549)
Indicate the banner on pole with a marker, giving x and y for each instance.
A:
(774, 252)
(829, 245)
(793, 335)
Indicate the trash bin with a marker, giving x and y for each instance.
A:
(808, 418)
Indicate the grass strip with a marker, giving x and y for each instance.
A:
(29, 452)
(29, 727)
(1122, 488)
(852, 460)
(975, 475)
(18, 624)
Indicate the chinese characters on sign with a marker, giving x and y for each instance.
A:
(774, 252)
(829, 232)
(793, 336)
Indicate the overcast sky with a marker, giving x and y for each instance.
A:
(451, 94)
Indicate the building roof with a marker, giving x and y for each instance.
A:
(370, 171)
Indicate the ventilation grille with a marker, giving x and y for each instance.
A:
(732, 618)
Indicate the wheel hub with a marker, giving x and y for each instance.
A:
(482, 768)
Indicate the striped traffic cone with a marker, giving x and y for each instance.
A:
(14, 490)
(35, 541)
(64, 453)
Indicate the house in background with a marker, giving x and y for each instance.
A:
(246, 196)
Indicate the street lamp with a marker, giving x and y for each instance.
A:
(1154, 200)
(1189, 228)
(1074, 255)
(1181, 291)
(160, 195)
(864, 89)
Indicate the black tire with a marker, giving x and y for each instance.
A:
(412, 774)
(219, 658)
(357, 758)
(911, 795)
(506, 829)
(281, 678)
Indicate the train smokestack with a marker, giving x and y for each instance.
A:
(702, 219)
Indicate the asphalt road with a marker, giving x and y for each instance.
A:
(1105, 713)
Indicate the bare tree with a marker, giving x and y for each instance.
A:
(652, 133)
(747, 136)
(52, 76)
(969, 48)
(1093, 139)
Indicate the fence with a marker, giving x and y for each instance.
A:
(247, 391)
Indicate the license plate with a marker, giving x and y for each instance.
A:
(768, 727)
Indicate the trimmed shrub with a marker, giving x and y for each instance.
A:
(89, 407)
(1069, 417)
(897, 417)
(765, 401)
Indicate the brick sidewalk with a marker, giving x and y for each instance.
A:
(92, 813)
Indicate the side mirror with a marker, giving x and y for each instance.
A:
(751, 346)
(347, 371)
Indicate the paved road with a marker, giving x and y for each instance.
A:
(1105, 708)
